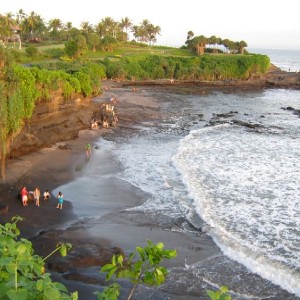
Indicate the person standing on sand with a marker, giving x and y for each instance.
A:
(37, 195)
(60, 197)
(24, 195)
(88, 150)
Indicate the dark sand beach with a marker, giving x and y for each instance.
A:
(115, 231)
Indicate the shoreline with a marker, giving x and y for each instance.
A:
(114, 231)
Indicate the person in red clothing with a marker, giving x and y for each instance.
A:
(24, 195)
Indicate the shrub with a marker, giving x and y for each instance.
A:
(22, 273)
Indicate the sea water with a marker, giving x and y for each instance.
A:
(243, 182)
(230, 159)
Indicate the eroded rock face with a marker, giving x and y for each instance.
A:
(52, 124)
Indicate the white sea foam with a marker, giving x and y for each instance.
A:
(245, 186)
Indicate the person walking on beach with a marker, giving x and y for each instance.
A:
(24, 195)
(37, 195)
(88, 150)
(60, 197)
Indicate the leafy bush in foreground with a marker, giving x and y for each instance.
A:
(146, 270)
(22, 273)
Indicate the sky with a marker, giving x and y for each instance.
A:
(260, 23)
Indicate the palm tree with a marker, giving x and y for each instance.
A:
(100, 29)
(32, 21)
(54, 25)
(110, 26)
(190, 34)
(7, 27)
(93, 40)
(125, 23)
(152, 32)
(241, 46)
(21, 16)
(86, 27)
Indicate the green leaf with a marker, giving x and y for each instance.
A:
(107, 268)
(160, 245)
(120, 259)
(212, 295)
(21, 249)
(20, 294)
(63, 250)
(141, 252)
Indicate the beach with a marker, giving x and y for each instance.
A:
(116, 229)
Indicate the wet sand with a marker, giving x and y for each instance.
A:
(94, 240)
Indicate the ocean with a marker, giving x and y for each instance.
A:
(229, 164)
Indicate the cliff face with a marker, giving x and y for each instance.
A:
(53, 122)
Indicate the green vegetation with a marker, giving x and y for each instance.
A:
(201, 44)
(221, 294)
(21, 88)
(22, 273)
(145, 270)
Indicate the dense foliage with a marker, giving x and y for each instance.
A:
(21, 88)
(22, 273)
(217, 67)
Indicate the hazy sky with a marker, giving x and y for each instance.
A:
(261, 23)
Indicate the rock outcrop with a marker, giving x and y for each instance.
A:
(51, 123)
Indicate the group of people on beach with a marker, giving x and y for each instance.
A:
(36, 195)
(107, 115)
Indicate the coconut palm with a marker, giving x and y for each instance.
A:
(32, 21)
(55, 25)
(86, 27)
(190, 34)
(110, 26)
(241, 46)
(20, 16)
(125, 23)
(100, 29)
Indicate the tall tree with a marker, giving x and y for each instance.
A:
(126, 23)
(21, 16)
(190, 34)
(93, 40)
(55, 25)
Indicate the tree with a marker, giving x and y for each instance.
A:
(190, 34)
(32, 21)
(6, 26)
(86, 28)
(21, 16)
(71, 48)
(22, 273)
(110, 26)
(93, 40)
(108, 43)
(55, 25)
(125, 23)
(241, 46)
(146, 32)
